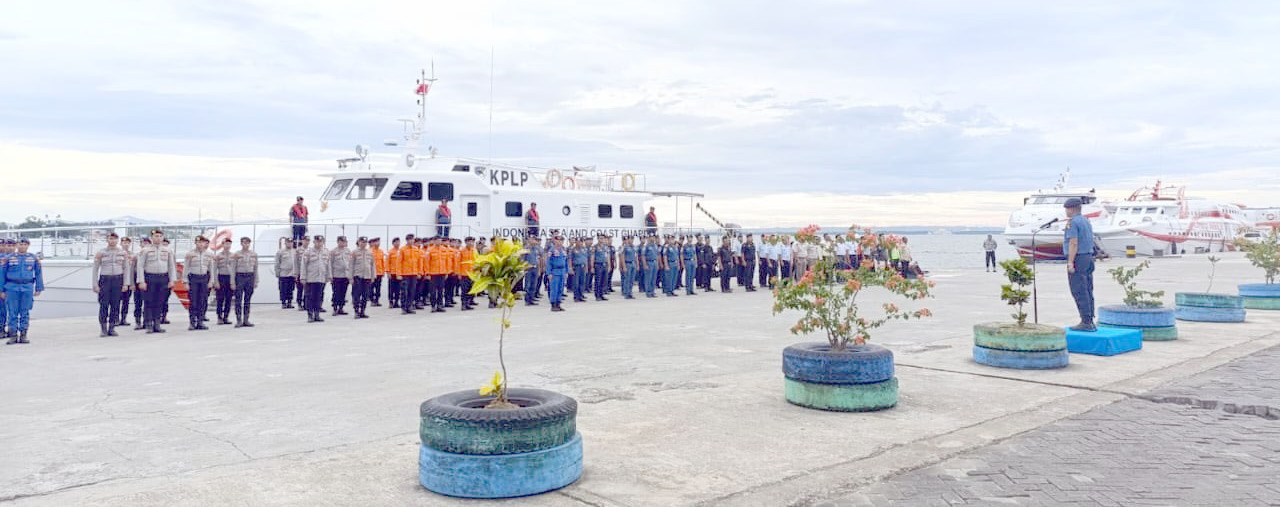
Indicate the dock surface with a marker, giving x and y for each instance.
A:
(680, 399)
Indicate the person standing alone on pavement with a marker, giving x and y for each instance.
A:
(990, 246)
(1077, 241)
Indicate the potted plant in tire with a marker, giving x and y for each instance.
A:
(499, 442)
(1142, 310)
(1017, 344)
(1207, 306)
(1264, 254)
(843, 373)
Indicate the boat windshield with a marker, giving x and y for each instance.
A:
(366, 188)
(336, 189)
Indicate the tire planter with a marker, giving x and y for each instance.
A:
(857, 379)
(1029, 347)
(473, 452)
(1261, 296)
(1156, 324)
(1200, 307)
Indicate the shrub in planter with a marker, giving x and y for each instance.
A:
(1264, 254)
(1142, 310)
(1207, 306)
(1017, 344)
(499, 442)
(843, 373)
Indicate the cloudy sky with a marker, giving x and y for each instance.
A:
(782, 113)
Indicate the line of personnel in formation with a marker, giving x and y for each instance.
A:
(425, 272)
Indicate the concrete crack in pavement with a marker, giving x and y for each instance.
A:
(1263, 411)
(218, 438)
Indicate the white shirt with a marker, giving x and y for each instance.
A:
(784, 252)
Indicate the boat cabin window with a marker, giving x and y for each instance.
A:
(604, 211)
(438, 191)
(366, 188)
(407, 191)
(460, 168)
(1151, 210)
(473, 209)
(336, 189)
(515, 209)
(626, 211)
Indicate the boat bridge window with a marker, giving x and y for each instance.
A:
(336, 189)
(473, 209)
(460, 168)
(604, 211)
(626, 211)
(438, 191)
(1151, 210)
(407, 191)
(515, 209)
(366, 188)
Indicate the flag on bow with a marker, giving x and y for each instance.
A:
(422, 89)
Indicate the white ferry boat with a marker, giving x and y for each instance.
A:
(1162, 220)
(1033, 230)
(362, 198)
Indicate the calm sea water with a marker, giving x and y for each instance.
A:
(940, 252)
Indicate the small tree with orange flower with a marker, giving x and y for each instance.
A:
(828, 296)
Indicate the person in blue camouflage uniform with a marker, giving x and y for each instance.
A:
(6, 250)
(689, 261)
(650, 255)
(671, 258)
(629, 259)
(581, 256)
(557, 262)
(23, 280)
(533, 256)
(600, 256)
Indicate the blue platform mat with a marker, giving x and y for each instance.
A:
(1106, 341)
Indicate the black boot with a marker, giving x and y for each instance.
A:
(111, 331)
(155, 327)
(246, 318)
(13, 338)
(22, 337)
(239, 320)
(191, 325)
(103, 334)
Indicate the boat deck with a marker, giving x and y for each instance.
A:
(680, 398)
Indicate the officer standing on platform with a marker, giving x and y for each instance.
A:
(362, 272)
(557, 261)
(379, 268)
(159, 273)
(340, 274)
(533, 256)
(1077, 241)
(286, 272)
(314, 272)
(222, 288)
(531, 221)
(23, 280)
(726, 265)
(749, 262)
(444, 217)
(601, 256)
(689, 260)
(298, 217)
(651, 222)
(110, 270)
(243, 281)
(200, 268)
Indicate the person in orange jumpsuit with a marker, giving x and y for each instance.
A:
(438, 263)
(379, 269)
(393, 273)
(466, 259)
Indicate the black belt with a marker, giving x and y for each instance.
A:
(19, 281)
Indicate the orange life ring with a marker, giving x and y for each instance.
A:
(222, 236)
(569, 182)
(553, 179)
(628, 182)
(1271, 216)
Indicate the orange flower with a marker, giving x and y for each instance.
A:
(854, 285)
(924, 312)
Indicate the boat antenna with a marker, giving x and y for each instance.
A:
(491, 98)
(424, 86)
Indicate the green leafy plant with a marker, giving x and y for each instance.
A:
(1264, 254)
(1015, 293)
(498, 272)
(828, 295)
(1132, 295)
(1213, 268)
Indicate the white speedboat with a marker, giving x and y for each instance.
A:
(1162, 220)
(1036, 228)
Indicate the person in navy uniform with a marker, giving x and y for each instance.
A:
(1077, 243)
(23, 280)
(581, 257)
(531, 221)
(444, 218)
(689, 260)
(727, 264)
(613, 264)
(706, 262)
(601, 256)
(533, 256)
(749, 262)
(650, 255)
(557, 262)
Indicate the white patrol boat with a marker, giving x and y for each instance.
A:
(1162, 220)
(1036, 228)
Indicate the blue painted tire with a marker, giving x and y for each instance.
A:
(1025, 338)
(816, 363)
(458, 423)
(1152, 334)
(1260, 290)
(1045, 360)
(1256, 303)
(1135, 316)
(1203, 300)
(1201, 314)
(500, 475)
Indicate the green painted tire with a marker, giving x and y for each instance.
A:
(1202, 300)
(457, 422)
(1010, 336)
(1256, 303)
(1152, 334)
(843, 398)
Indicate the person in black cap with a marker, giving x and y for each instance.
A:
(1077, 243)
(245, 279)
(362, 271)
(159, 273)
(199, 267)
(110, 270)
(23, 280)
(314, 272)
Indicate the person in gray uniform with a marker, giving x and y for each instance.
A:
(286, 271)
(130, 282)
(362, 274)
(139, 295)
(222, 288)
(314, 272)
(245, 279)
(340, 274)
(159, 273)
(110, 270)
(199, 267)
(299, 247)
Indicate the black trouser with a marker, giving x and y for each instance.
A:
(198, 295)
(286, 290)
(786, 269)
(393, 292)
(408, 297)
(340, 292)
(299, 231)
(109, 292)
(467, 298)
(726, 275)
(222, 298)
(244, 292)
(748, 272)
(450, 284)
(139, 300)
(157, 295)
(704, 276)
(124, 306)
(422, 290)
(360, 294)
(991, 260)
(302, 292)
(164, 307)
(315, 296)
(764, 272)
(602, 282)
(375, 289)
(437, 291)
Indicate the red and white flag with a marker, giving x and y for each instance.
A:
(423, 88)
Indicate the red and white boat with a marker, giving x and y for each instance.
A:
(1026, 229)
(1162, 220)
